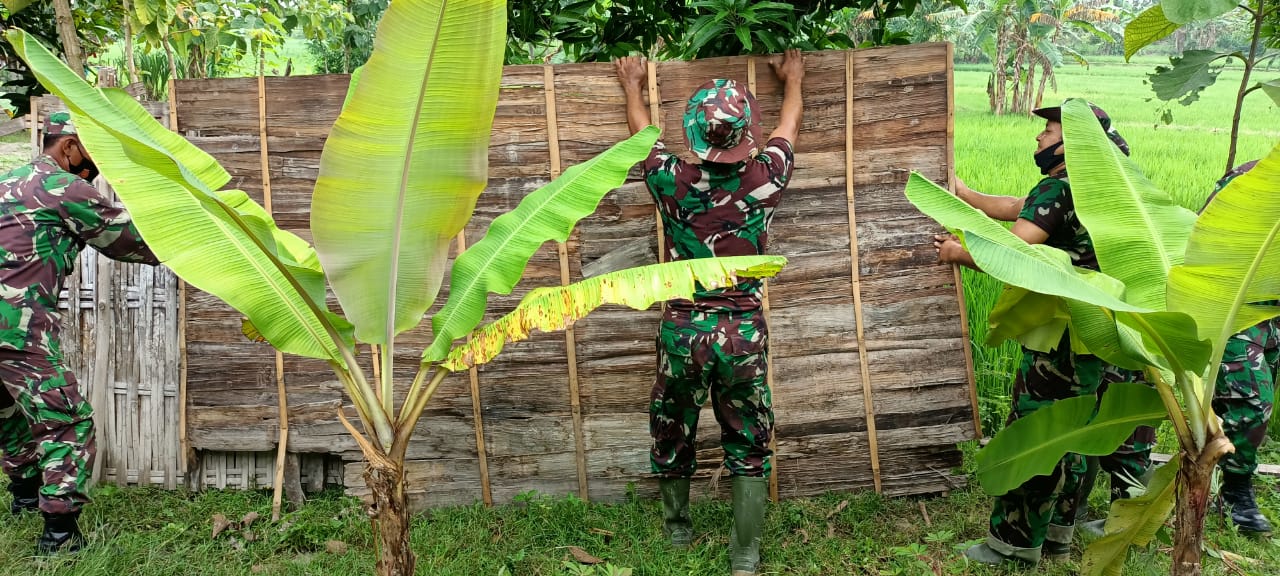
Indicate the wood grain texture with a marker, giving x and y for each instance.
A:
(858, 145)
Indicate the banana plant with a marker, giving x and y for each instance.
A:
(1173, 288)
(399, 177)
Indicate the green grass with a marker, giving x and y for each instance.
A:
(148, 532)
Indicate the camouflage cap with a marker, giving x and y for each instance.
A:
(1055, 114)
(58, 123)
(720, 124)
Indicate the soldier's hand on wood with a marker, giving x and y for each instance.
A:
(631, 72)
(791, 69)
(948, 248)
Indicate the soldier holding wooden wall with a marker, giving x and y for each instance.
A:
(717, 344)
(48, 213)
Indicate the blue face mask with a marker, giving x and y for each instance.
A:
(1046, 159)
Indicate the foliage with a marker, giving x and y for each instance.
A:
(1195, 70)
(1140, 244)
(601, 30)
(350, 49)
(97, 22)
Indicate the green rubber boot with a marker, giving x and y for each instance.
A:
(749, 497)
(676, 523)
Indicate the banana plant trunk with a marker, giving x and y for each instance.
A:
(1194, 479)
(390, 514)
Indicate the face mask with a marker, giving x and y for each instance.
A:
(85, 165)
(1046, 160)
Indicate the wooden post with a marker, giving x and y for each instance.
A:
(955, 268)
(655, 118)
(186, 457)
(34, 114)
(571, 341)
(477, 415)
(773, 440)
(282, 399)
(868, 404)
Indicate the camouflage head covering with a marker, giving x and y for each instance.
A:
(58, 124)
(1055, 114)
(720, 124)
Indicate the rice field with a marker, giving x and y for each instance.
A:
(1185, 158)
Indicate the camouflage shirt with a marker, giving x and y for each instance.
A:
(47, 216)
(1050, 207)
(709, 212)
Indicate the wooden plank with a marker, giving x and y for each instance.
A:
(655, 117)
(856, 275)
(575, 404)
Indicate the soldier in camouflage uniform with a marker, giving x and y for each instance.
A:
(48, 213)
(716, 346)
(1038, 518)
(1243, 397)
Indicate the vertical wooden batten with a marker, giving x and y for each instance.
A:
(655, 118)
(282, 398)
(868, 403)
(482, 454)
(951, 185)
(571, 348)
(773, 439)
(186, 453)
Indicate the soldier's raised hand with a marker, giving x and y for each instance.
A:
(631, 72)
(791, 68)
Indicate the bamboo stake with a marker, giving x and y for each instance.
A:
(571, 341)
(477, 415)
(36, 148)
(773, 439)
(955, 268)
(184, 442)
(868, 404)
(282, 446)
(655, 118)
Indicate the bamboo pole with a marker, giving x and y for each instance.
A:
(868, 403)
(655, 118)
(185, 459)
(282, 399)
(773, 439)
(34, 114)
(955, 268)
(571, 340)
(477, 415)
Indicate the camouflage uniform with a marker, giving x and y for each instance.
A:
(1245, 388)
(717, 344)
(47, 216)
(1044, 507)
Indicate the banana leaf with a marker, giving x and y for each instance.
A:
(497, 262)
(549, 309)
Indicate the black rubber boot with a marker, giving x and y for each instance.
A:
(26, 495)
(676, 523)
(61, 535)
(1237, 492)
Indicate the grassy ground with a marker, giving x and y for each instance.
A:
(145, 532)
(152, 533)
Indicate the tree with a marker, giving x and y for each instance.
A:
(95, 24)
(350, 49)
(395, 186)
(601, 30)
(1173, 289)
(1029, 38)
(1193, 71)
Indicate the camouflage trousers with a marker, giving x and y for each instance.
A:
(1044, 507)
(721, 356)
(46, 427)
(1245, 392)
